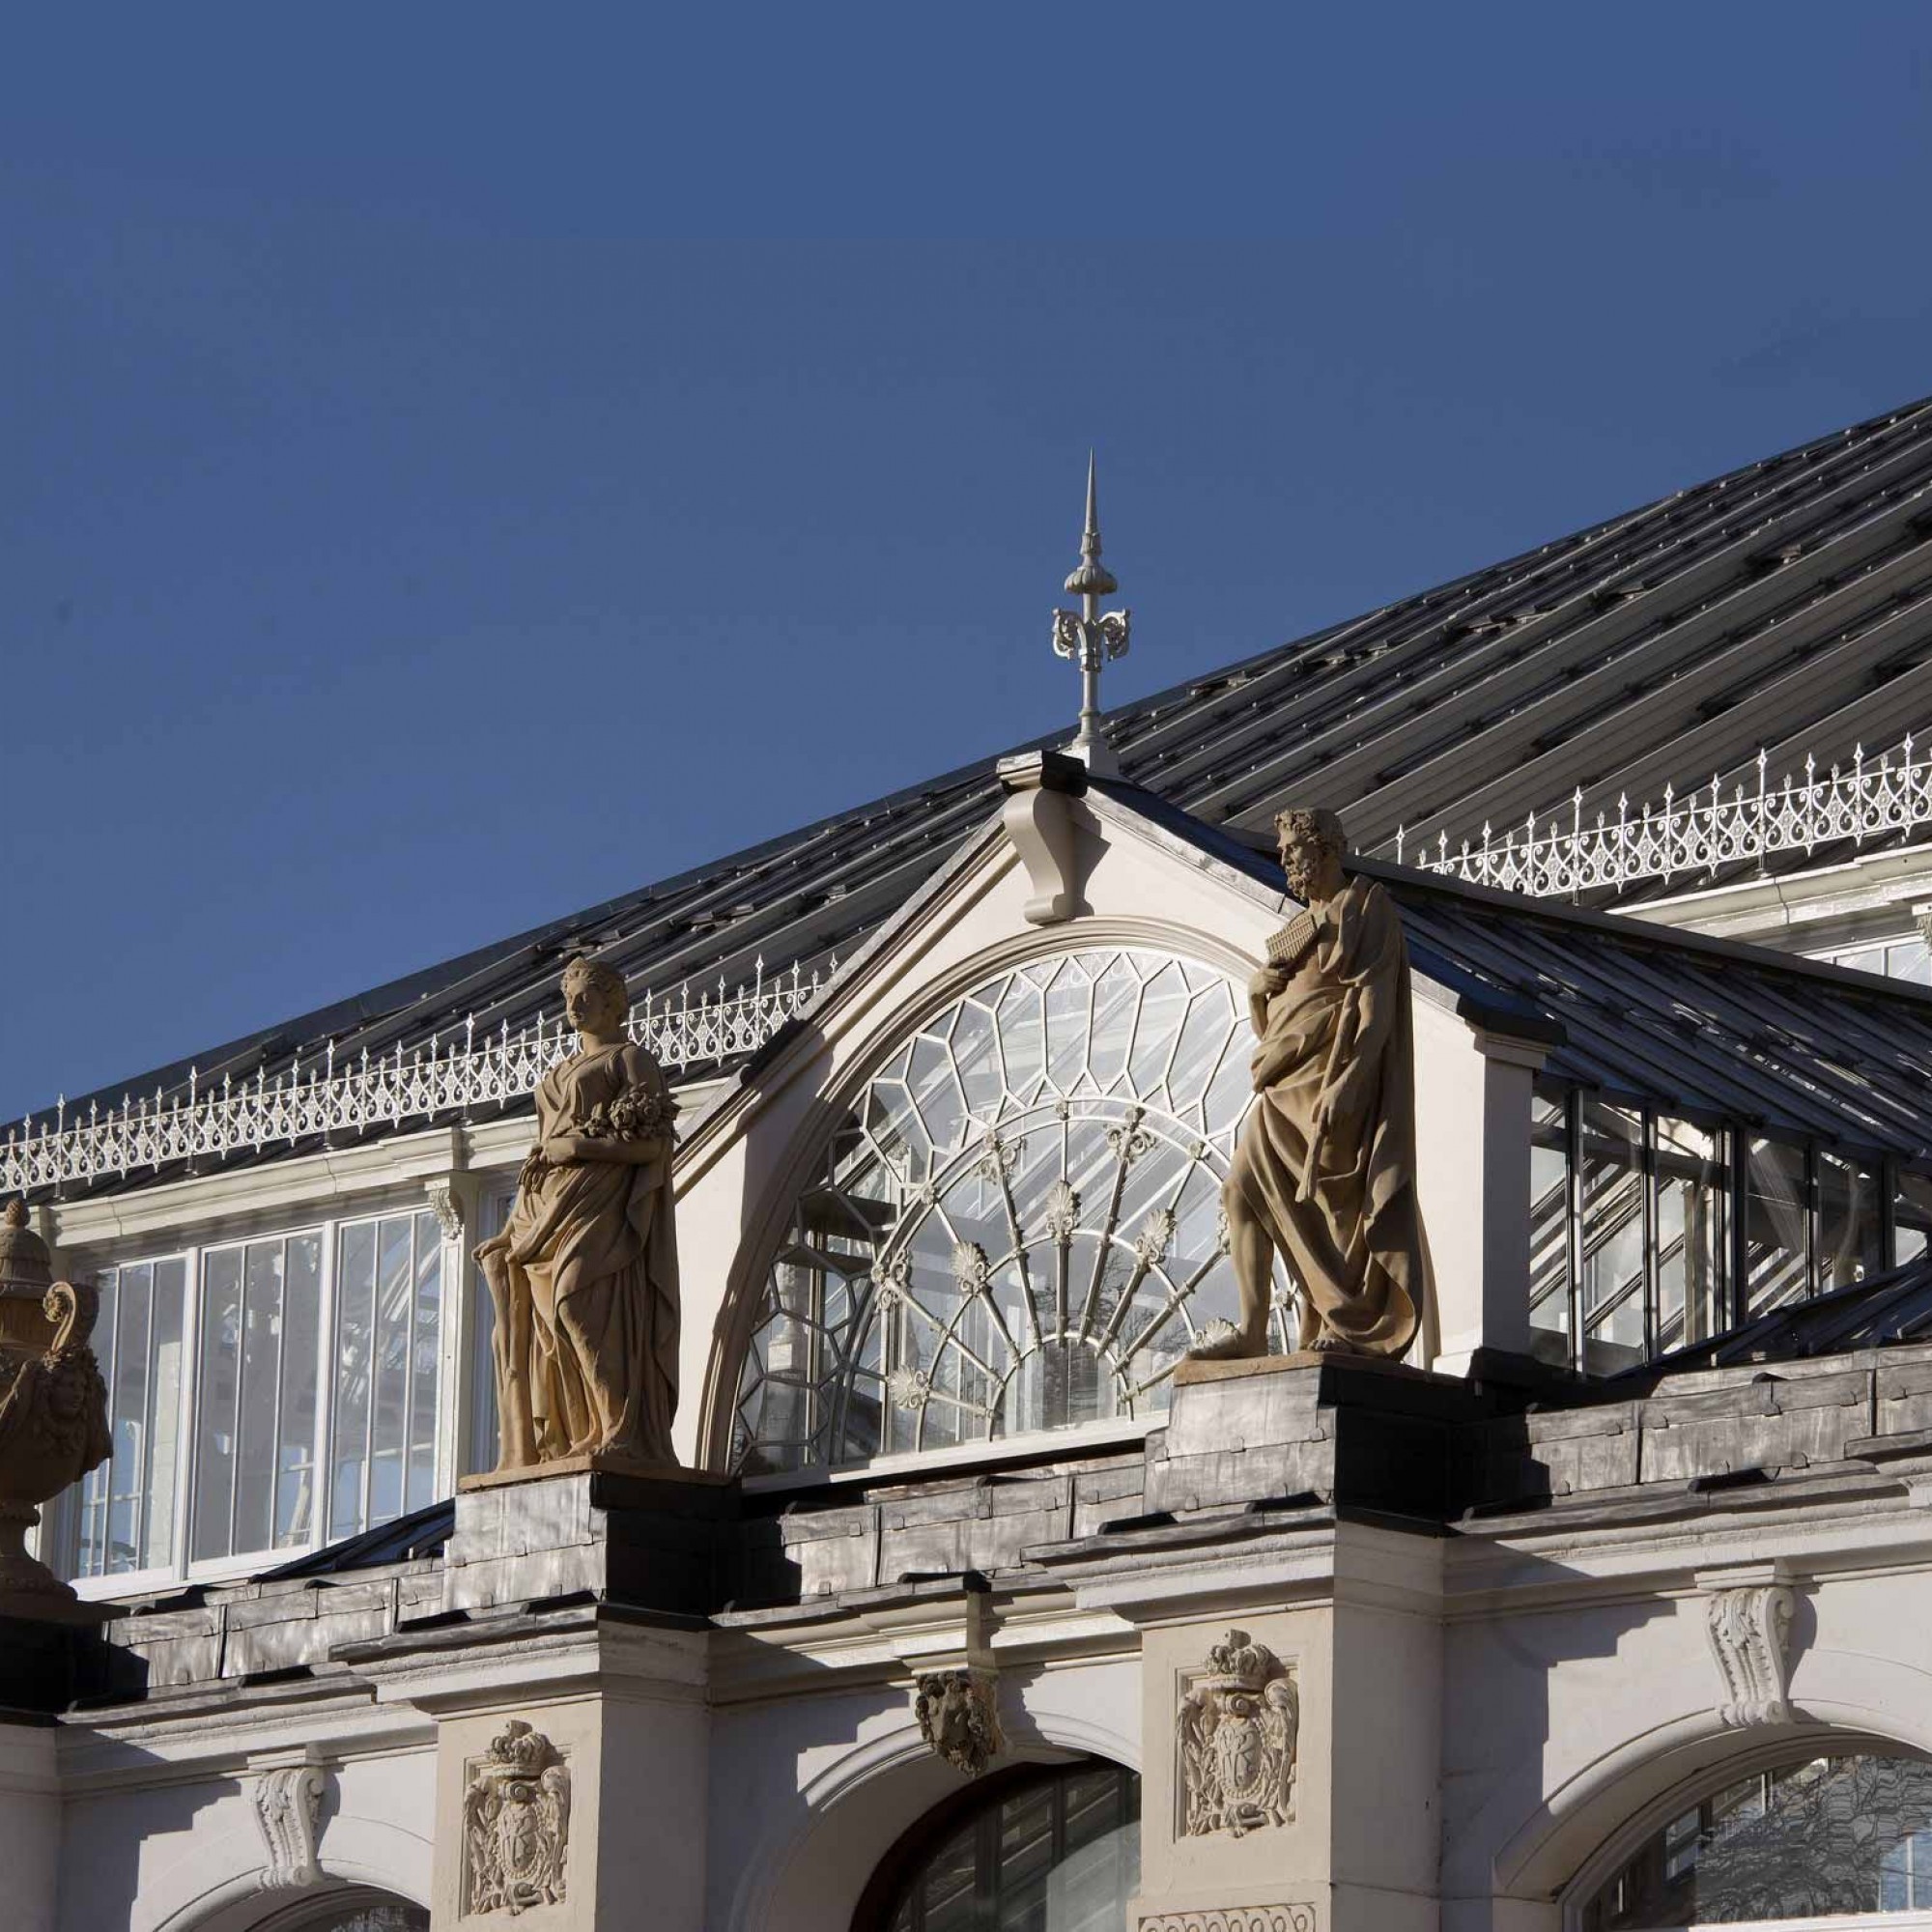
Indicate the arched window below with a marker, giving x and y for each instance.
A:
(1025, 1850)
(357, 1911)
(1824, 1839)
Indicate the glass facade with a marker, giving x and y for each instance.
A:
(1824, 1838)
(264, 1395)
(1017, 1227)
(1650, 1233)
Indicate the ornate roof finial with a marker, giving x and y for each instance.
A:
(1090, 639)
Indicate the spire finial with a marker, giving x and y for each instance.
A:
(1091, 637)
(1090, 578)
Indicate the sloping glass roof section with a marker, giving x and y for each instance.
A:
(1786, 606)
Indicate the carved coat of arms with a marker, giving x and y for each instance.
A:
(959, 1718)
(1236, 1731)
(516, 1823)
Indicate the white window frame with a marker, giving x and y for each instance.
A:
(59, 1532)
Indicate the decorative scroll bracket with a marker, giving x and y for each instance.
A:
(288, 1809)
(445, 1203)
(1748, 1624)
(1039, 818)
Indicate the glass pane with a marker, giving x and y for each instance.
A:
(354, 1332)
(257, 1447)
(1850, 1236)
(1550, 1227)
(295, 1478)
(218, 1383)
(92, 1556)
(1613, 1238)
(128, 1416)
(1909, 959)
(388, 1434)
(1775, 1224)
(1912, 1217)
(481, 1450)
(1693, 1233)
(425, 1353)
(166, 1363)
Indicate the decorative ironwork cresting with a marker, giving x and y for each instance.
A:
(379, 1092)
(1091, 638)
(1693, 835)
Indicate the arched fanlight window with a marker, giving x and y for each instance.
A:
(1046, 1851)
(1017, 1226)
(1823, 1837)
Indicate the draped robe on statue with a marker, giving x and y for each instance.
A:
(1347, 1221)
(587, 1310)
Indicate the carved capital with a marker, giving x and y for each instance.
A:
(959, 1717)
(288, 1809)
(1749, 1627)
(516, 1823)
(1236, 1735)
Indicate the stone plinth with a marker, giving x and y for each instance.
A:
(1353, 1429)
(652, 1541)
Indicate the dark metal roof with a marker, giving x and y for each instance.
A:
(1699, 1027)
(421, 1533)
(1786, 605)
(1889, 1308)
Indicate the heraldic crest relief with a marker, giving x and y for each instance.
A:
(1236, 1731)
(959, 1716)
(516, 1823)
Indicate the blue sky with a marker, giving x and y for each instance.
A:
(447, 476)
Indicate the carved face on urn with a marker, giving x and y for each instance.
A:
(1312, 843)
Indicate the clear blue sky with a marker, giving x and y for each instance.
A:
(444, 482)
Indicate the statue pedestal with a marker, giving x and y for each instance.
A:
(1318, 1425)
(1247, 1367)
(646, 1537)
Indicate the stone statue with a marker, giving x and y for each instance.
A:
(1325, 1171)
(53, 1407)
(585, 1275)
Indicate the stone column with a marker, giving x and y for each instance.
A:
(1290, 1780)
(567, 1679)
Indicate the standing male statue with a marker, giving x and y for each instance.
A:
(1325, 1171)
(585, 1275)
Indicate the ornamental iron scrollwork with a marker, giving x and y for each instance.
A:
(1236, 1735)
(515, 1824)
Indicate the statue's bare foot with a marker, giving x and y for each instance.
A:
(1220, 1341)
(1330, 1343)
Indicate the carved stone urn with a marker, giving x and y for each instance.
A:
(53, 1407)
